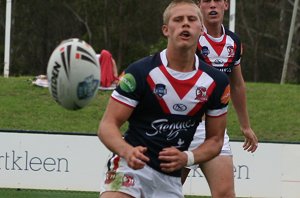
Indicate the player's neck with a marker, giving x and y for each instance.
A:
(214, 30)
(182, 61)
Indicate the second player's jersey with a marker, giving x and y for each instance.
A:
(222, 53)
(168, 105)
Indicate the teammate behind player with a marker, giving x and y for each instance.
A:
(163, 97)
(221, 48)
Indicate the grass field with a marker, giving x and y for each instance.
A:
(17, 193)
(273, 109)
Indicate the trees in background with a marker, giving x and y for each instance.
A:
(131, 29)
(264, 28)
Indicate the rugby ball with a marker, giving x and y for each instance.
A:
(73, 74)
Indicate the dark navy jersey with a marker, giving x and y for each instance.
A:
(168, 105)
(223, 53)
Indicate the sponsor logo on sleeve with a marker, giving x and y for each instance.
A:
(128, 83)
(226, 95)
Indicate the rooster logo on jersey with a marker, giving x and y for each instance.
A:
(201, 94)
(230, 51)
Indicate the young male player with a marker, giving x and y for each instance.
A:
(163, 97)
(222, 49)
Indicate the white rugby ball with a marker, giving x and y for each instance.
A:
(73, 74)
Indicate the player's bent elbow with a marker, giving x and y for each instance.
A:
(101, 130)
(218, 147)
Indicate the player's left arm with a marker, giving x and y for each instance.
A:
(174, 159)
(239, 101)
(211, 147)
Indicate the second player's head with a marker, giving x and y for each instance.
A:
(213, 10)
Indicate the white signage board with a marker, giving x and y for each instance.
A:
(76, 162)
(43, 161)
(256, 175)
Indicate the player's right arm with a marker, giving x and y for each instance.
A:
(238, 97)
(115, 115)
(215, 128)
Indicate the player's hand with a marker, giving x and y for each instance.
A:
(172, 159)
(251, 141)
(135, 158)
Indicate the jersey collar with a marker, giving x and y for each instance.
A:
(219, 39)
(164, 60)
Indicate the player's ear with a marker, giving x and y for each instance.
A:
(226, 4)
(202, 30)
(198, 3)
(164, 29)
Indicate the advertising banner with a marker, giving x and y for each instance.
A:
(76, 162)
(44, 161)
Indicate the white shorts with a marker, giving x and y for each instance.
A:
(142, 183)
(199, 138)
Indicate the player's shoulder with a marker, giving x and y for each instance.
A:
(145, 62)
(232, 34)
(215, 74)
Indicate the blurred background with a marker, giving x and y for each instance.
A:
(131, 29)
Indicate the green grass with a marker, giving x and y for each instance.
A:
(17, 193)
(274, 112)
(273, 109)
(28, 107)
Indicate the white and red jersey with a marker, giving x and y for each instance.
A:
(168, 105)
(223, 53)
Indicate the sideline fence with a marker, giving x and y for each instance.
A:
(75, 162)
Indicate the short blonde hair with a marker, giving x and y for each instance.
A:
(200, 1)
(166, 14)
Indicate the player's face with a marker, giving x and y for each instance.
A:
(213, 10)
(184, 26)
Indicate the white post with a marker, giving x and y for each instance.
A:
(7, 38)
(232, 8)
(289, 43)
